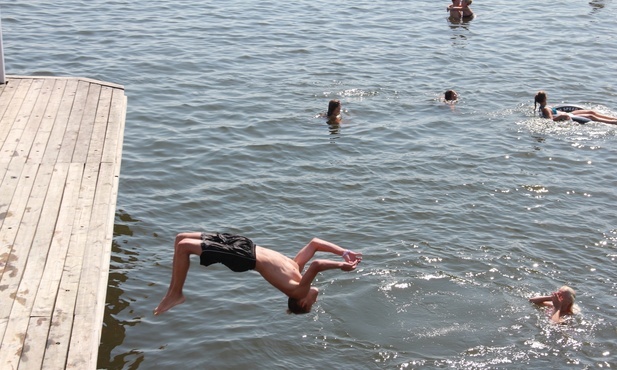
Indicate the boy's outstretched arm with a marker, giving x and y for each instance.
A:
(318, 266)
(320, 245)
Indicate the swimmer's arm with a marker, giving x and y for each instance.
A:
(316, 267)
(548, 113)
(556, 300)
(556, 317)
(542, 300)
(320, 245)
(561, 117)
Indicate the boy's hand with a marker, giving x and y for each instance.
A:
(350, 266)
(351, 256)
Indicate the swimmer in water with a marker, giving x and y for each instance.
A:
(455, 11)
(450, 96)
(334, 112)
(464, 8)
(562, 302)
(556, 115)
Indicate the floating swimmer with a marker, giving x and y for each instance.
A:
(562, 302)
(455, 12)
(561, 115)
(463, 8)
(334, 111)
(450, 96)
(241, 254)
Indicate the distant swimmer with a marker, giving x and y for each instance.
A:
(468, 14)
(562, 302)
(463, 7)
(450, 96)
(557, 115)
(334, 111)
(240, 254)
(455, 10)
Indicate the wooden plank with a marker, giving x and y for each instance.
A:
(90, 298)
(50, 282)
(97, 143)
(8, 187)
(34, 344)
(14, 212)
(120, 143)
(25, 137)
(16, 331)
(10, 296)
(10, 116)
(7, 151)
(36, 338)
(43, 231)
(8, 91)
(9, 184)
(61, 330)
(57, 133)
(84, 79)
(47, 123)
(72, 129)
(4, 167)
(86, 126)
(114, 126)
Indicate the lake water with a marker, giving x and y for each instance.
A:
(462, 212)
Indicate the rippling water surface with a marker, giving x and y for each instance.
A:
(462, 212)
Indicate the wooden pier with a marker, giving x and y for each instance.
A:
(60, 154)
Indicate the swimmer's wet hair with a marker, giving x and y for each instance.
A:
(574, 308)
(539, 98)
(334, 103)
(449, 95)
(566, 288)
(293, 306)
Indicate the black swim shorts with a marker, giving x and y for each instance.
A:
(233, 251)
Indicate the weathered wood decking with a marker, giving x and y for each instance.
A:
(60, 154)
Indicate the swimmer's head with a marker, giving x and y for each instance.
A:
(468, 2)
(569, 296)
(450, 95)
(568, 293)
(334, 108)
(303, 305)
(540, 98)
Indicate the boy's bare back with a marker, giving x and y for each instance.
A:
(280, 271)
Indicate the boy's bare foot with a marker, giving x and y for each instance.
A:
(168, 302)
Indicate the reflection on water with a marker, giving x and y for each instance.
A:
(335, 131)
(459, 33)
(596, 5)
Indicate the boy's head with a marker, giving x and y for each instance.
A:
(303, 305)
